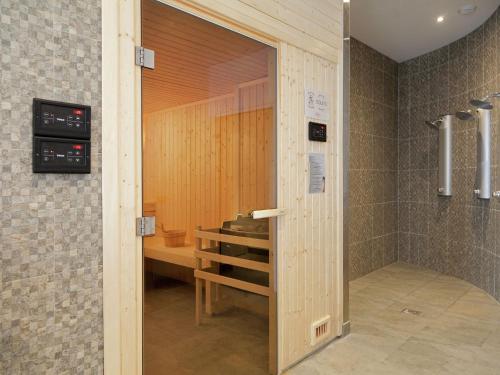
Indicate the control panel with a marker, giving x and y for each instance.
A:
(61, 137)
(317, 132)
(61, 119)
(61, 155)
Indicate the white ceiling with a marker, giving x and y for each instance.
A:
(403, 29)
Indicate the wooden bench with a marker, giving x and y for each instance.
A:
(155, 248)
(211, 254)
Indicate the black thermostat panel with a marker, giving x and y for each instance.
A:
(59, 119)
(58, 155)
(317, 132)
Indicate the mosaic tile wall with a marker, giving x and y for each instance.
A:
(373, 161)
(50, 224)
(459, 236)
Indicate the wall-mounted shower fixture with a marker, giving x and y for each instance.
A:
(483, 188)
(496, 194)
(485, 103)
(445, 128)
(465, 115)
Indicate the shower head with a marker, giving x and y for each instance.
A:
(481, 103)
(465, 115)
(484, 103)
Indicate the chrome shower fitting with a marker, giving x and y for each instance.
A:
(444, 126)
(483, 111)
(484, 103)
(465, 115)
(484, 153)
(435, 123)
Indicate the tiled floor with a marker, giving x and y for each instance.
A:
(456, 332)
(232, 342)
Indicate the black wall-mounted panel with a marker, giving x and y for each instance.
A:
(58, 119)
(317, 132)
(61, 155)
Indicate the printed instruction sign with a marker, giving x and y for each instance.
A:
(317, 105)
(317, 178)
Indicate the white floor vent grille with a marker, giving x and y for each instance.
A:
(320, 330)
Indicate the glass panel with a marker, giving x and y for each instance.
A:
(208, 160)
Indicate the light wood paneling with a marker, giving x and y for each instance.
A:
(312, 25)
(195, 60)
(208, 161)
(305, 289)
(308, 261)
(257, 148)
(193, 68)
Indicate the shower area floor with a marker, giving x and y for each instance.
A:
(409, 320)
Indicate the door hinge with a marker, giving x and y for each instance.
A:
(145, 226)
(145, 57)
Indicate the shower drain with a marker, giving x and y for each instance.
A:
(406, 310)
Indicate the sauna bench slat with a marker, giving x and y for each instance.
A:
(154, 248)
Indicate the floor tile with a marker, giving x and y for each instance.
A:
(452, 328)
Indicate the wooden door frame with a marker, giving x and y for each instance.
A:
(122, 168)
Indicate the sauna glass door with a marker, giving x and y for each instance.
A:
(209, 148)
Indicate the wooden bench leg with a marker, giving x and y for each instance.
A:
(199, 302)
(199, 283)
(208, 297)
(217, 288)
(217, 292)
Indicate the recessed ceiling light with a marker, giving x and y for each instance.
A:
(346, 1)
(440, 19)
(467, 9)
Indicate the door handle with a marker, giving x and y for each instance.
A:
(272, 212)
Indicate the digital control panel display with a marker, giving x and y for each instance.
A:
(317, 132)
(61, 119)
(60, 155)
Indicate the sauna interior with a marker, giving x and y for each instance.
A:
(208, 161)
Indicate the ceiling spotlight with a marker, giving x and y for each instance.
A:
(440, 19)
(467, 9)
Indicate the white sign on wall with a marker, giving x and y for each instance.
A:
(316, 105)
(317, 177)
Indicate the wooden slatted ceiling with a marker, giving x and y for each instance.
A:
(195, 60)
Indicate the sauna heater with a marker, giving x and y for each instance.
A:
(245, 227)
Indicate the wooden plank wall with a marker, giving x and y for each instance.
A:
(312, 25)
(207, 161)
(308, 249)
(257, 147)
(300, 28)
(309, 260)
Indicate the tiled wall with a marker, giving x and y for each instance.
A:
(373, 158)
(50, 224)
(460, 235)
